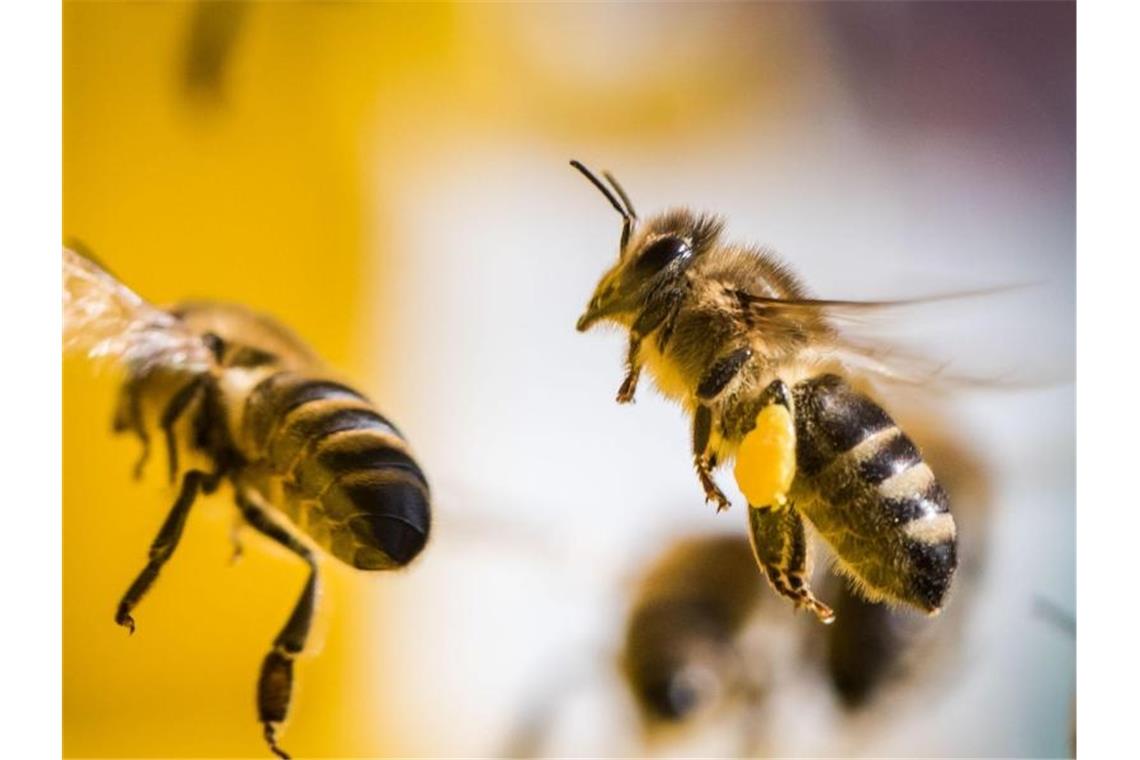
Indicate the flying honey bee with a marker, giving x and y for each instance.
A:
(239, 399)
(728, 331)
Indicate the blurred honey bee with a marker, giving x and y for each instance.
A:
(728, 331)
(239, 399)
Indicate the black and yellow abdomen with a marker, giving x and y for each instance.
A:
(344, 471)
(862, 483)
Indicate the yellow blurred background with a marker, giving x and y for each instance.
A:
(249, 193)
(391, 181)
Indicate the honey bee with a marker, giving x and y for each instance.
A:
(729, 332)
(239, 399)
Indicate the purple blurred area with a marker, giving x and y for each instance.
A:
(1000, 73)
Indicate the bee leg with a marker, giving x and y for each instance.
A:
(659, 314)
(665, 334)
(780, 547)
(275, 684)
(777, 392)
(128, 416)
(161, 549)
(235, 542)
(722, 372)
(712, 385)
(633, 371)
(174, 410)
(702, 431)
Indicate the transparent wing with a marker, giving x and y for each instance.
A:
(104, 319)
(1009, 337)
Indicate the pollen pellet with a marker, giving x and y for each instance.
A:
(766, 459)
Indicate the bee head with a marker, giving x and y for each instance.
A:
(651, 256)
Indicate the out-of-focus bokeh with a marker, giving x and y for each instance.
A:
(391, 181)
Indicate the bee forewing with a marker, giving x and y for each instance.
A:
(1000, 338)
(104, 319)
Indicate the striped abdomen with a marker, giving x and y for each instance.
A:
(871, 496)
(343, 471)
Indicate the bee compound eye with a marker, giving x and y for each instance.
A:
(661, 253)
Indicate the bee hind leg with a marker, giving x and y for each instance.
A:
(275, 683)
(161, 549)
(780, 547)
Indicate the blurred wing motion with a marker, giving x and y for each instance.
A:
(103, 318)
(997, 337)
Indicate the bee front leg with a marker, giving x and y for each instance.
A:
(633, 371)
(659, 314)
(275, 684)
(780, 547)
(702, 431)
(161, 549)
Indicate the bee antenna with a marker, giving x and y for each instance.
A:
(621, 193)
(626, 216)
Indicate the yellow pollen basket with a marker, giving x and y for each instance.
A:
(766, 459)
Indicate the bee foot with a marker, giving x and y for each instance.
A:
(237, 549)
(271, 740)
(821, 610)
(627, 390)
(716, 496)
(124, 619)
(713, 494)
